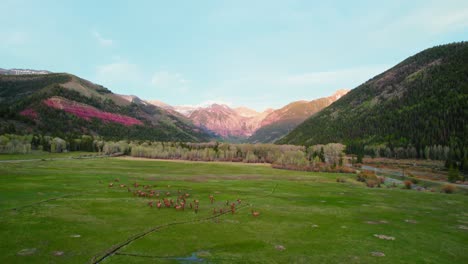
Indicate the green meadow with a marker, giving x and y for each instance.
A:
(63, 211)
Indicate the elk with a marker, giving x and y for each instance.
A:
(159, 204)
(167, 203)
(196, 208)
(211, 199)
(150, 203)
(122, 186)
(117, 180)
(190, 205)
(178, 207)
(196, 202)
(187, 195)
(239, 201)
(255, 213)
(128, 189)
(111, 185)
(168, 194)
(136, 185)
(214, 211)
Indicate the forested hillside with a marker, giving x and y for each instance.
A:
(415, 109)
(66, 106)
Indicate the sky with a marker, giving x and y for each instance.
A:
(259, 54)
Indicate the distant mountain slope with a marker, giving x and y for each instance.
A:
(422, 101)
(227, 122)
(232, 124)
(159, 104)
(63, 104)
(246, 112)
(280, 122)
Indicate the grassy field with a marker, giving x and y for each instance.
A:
(62, 211)
(44, 155)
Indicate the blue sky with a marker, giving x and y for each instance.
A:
(254, 53)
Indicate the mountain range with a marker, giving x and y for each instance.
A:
(420, 102)
(247, 125)
(61, 103)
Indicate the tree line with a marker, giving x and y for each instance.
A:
(322, 156)
(281, 156)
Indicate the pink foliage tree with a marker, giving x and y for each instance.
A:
(87, 112)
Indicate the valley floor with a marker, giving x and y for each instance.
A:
(63, 211)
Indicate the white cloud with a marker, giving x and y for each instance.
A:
(312, 78)
(167, 80)
(13, 38)
(116, 72)
(452, 20)
(101, 40)
(210, 102)
(433, 18)
(352, 75)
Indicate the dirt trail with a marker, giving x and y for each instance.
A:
(52, 159)
(111, 251)
(195, 161)
(40, 202)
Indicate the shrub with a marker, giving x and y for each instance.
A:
(364, 176)
(448, 188)
(345, 170)
(414, 180)
(369, 178)
(341, 179)
(381, 179)
(372, 183)
(408, 184)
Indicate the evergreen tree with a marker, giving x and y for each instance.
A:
(359, 158)
(453, 174)
(322, 155)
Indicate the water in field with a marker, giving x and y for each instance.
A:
(195, 257)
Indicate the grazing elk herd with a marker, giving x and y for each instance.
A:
(165, 199)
